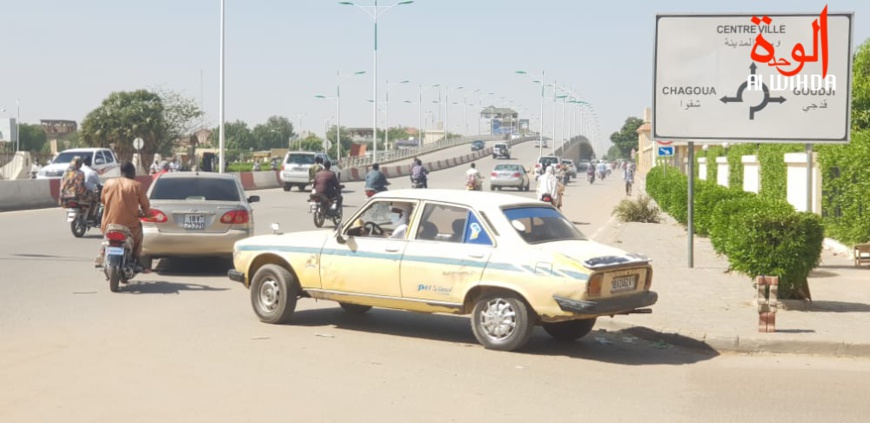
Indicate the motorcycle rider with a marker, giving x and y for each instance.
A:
(327, 187)
(419, 173)
(72, 185)
(123, 198)
(548, 184)
(602, 170)
(313, 169)
(473, 177)
(590, 173)
(376, 180)
(92, 184)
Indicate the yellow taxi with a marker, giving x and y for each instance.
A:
(510, 262)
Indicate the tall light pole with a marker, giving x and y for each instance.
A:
(221, 135)
(447, 109)
(375, 13)
(387, 110)
(17, 126)
(299, 134)
(541, 132)
(337, 99)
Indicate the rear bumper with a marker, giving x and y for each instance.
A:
(615, 305)
(294, 178)
(236, 276)
(162, 244)
(506, 182)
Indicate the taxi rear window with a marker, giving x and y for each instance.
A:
(537, 225)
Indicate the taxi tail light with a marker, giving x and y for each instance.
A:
(493, 174)
(236, 217)
(593, 289)
(157, 216)
(647, 283)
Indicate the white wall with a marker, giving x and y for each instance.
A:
(796, 178)
(722, 171)
(702, 168)
(751, 174)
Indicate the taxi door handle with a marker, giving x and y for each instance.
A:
(392, 249)
(476, 255)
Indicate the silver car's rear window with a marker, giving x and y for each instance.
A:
(300, 159)
(507, 167)
(537, 225)
(195, 188)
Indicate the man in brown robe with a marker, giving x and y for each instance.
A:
(122, 199)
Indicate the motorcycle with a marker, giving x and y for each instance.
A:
(474, 186)
(417, 183)
(547, 198)
(371, 191)
(321, 210)
(77, 215)
(119, 266)
(590, 176)
(601, 175)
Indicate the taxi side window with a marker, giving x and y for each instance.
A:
(441, 222)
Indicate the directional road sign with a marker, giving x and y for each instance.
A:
(665, 151)
(753, 77)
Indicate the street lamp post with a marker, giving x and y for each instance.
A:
(387, 111)
(299, 134)
(541, 132)
(375, 13)
(221, 135)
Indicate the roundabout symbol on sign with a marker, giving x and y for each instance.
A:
(758, 107)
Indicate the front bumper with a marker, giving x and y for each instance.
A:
(605, 306)
(236, 276)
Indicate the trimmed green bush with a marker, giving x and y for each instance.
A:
(773, 169)
(846, 189)
(770, 239)
(709, 195)
(735, 164)
(638, 209)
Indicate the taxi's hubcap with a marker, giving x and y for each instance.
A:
(269, 294)
(498, 319)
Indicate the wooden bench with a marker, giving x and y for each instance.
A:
(861, 252)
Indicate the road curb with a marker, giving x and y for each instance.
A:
(734, 344)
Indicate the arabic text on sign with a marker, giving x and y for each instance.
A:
(764, 52)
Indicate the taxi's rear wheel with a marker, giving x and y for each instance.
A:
(355, 308)
(571, 330)
(273, 294)
(502, 321)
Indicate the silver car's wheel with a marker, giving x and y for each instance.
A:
(273, 294)
(502, 321)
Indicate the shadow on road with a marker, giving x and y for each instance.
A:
(194, 266)
(46, 257)
(618, 348)
(162, 287)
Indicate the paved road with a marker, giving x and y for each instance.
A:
(183, 345)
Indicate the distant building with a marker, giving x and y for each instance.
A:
(501, 120)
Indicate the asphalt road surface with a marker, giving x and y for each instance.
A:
(182, 344)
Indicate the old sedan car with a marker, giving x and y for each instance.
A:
(477, 145)
(195, 214)
(509, 175)
(510, 262)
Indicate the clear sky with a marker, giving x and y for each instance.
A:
(62, 57)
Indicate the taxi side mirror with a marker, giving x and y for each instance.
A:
(339, 237)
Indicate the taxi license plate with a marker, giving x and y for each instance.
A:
(114, 251)
(623, 283)
(194, 221)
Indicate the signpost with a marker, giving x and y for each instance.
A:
(783, 78)
(138, 143)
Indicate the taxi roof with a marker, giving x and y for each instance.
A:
(475, 199)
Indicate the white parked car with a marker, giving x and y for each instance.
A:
(294, 171)
(102, 160)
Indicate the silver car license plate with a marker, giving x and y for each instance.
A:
(114, 251)
(623, 283)
(194, 221)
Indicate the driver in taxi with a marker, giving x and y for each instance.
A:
(399, 217)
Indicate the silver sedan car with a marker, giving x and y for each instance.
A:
(196, 214)
(509, 175)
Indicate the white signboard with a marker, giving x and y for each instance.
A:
(773, 78)
(7, 130)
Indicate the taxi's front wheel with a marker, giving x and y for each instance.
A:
(273, 294)
(502, 321)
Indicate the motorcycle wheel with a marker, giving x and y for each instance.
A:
(78, 227)
(318, 218)
(114, 278)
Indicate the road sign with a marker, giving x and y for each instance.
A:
(138, 143)
(753, 78)
(665, 150)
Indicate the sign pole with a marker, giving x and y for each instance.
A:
(809, 148)
(691, 221)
